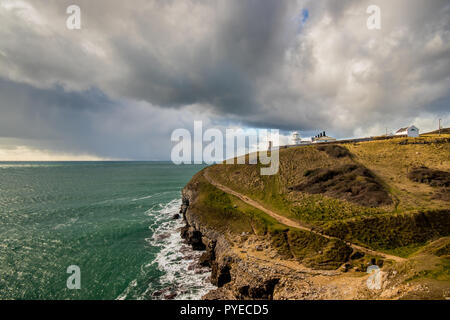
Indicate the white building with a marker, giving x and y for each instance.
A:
(296, 138)
(411, 131)
(322, 137)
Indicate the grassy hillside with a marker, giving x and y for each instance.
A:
(388, 195)
(360, 192)
(232, 216)
(392, 160)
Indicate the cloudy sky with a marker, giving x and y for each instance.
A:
(137, 70)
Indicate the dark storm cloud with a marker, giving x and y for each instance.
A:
(47, 113)
(87, 121)
(245, 43)
(219, 85)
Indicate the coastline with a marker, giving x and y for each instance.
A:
(245, 266)
(183, 277)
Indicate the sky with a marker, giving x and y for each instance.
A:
(136, 71)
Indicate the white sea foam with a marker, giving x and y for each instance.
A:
(152, 196)
(179, 263)
(177, 259)
(124, 294)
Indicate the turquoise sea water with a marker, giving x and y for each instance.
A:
(112, 219)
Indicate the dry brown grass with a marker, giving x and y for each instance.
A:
(393, 161)
(389, 161)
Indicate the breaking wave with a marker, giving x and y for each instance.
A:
(182, 278)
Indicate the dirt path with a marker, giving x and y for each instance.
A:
(291, 223)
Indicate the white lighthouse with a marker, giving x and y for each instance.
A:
(296, 138)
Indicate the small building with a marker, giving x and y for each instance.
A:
(411, 131)
(322, 137)
(296, 138)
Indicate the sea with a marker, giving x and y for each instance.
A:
(96, 230)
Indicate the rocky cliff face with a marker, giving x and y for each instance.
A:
(213, 243)
(229, 272)
(246, 267)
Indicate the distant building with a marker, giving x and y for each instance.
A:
(322, 137)
(296, 138)
(411, 131)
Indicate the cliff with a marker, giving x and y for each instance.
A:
(320, 239)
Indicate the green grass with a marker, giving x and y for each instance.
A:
(312, 209)
(318, 208)
(439, 271)
(396, 229)
(227, 213)
(443, 250)
(215, 208)
(400, 234)
(405, 251)
(404, 228)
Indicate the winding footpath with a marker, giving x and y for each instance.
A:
(292, 223)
